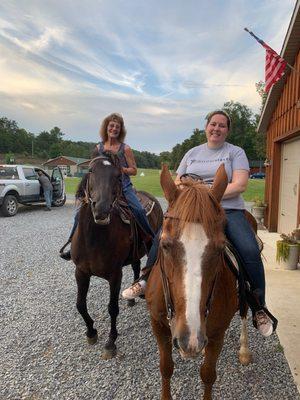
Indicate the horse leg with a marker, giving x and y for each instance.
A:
(110, 349)
(166, 364)
(245, 355)
(208, 368)
(136, 267)
(83, 283)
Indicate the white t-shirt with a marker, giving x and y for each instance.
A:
(203, 161)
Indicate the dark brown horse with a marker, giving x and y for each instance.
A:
(191, 294)
(103, 243)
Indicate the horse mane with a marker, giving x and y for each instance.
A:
(81, 189)
(196, 204)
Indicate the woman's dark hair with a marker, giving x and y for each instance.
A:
(218, 112)
(112, 117)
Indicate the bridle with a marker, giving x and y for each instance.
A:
(166, 286)
(87, 188)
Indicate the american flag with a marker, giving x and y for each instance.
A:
(275, 65)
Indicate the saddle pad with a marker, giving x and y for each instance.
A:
(146, 202)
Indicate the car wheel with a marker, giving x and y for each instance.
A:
(10, 206)
(59, 202)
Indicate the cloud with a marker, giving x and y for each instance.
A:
(163, 65)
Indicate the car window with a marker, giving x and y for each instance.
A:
(8, 172)
(30, 174)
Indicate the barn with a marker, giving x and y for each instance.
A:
(280, 122)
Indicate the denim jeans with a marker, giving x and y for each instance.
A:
(137, 209)
(241, 235)
(48, 197)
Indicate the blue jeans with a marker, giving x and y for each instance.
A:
(137, 210)
(48, 197)
(241, 235)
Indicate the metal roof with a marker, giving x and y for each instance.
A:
(289, 51)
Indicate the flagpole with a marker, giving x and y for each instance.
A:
(262, 42)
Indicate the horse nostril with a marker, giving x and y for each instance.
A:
(175, 343)
(93, 204)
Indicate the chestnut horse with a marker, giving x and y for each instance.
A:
(102, 243)
(191, 294)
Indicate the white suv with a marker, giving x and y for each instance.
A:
(19, 184)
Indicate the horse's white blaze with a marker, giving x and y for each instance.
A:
(106, 162)
(194, 240)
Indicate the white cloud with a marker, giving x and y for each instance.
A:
(163, 65)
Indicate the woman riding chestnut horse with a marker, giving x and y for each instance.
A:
(204, 161)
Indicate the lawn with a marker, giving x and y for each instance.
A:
(150, 183)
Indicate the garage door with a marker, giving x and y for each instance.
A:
(289, 186)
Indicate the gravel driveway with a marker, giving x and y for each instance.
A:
(43, 350)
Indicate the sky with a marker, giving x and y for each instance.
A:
(162, 64)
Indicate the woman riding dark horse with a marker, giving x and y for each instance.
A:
(112, 133)
(102, 243)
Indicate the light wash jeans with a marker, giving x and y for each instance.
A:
(48, 193)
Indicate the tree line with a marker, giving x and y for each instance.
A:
(51, 144)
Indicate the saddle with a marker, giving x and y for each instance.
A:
(137, 234)
(146, 202)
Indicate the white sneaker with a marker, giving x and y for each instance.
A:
(264, 323)
(135, 290)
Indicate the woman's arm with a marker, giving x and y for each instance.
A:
(238, 184)
(131, 170)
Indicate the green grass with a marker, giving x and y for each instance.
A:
(150, 183)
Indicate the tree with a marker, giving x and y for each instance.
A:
(243, 129)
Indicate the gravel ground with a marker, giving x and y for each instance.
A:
(43, 350)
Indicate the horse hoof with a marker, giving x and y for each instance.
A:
(131, 303)
(109, 354)
(92, 340)
(245, 359)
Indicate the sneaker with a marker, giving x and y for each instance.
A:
(135, 290)
(66, 255)
(264, 323)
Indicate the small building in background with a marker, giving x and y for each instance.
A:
(280, 121)
(68, 165)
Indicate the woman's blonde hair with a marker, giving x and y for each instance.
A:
(116, 118)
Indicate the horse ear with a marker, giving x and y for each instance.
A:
(220, 183)
(167, 184)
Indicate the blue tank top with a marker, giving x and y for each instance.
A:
(123, 162)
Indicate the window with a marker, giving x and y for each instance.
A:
(8, 172)
(30, 174)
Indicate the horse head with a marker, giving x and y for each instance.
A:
(191, 245)
(103, 186)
